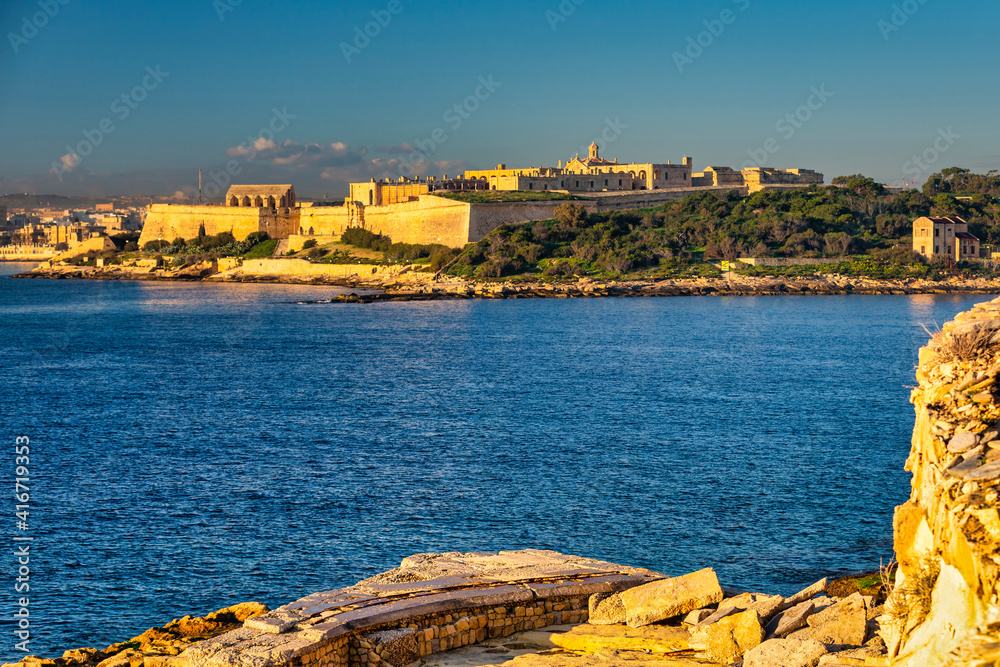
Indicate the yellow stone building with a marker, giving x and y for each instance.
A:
(590, 174)
(945, 237)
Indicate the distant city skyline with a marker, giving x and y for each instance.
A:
(116, 98)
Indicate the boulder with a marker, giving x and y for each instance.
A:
(785, 653)
(697, 616)
(660, 600)
(790, 620)
(606, 609)
(765, 605)
(807, 593)
(962, 442)
(843, 624)
(718, 615)
(592, 638)
(727, 640)
(81, 655)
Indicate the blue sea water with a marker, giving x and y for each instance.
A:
(196, 446)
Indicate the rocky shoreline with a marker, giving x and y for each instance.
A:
(413, 285)
(520, 609)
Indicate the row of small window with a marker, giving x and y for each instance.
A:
(937, 232)
(965, 250)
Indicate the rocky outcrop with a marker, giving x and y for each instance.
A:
(660, 600)
(155, 646)
(944, 608)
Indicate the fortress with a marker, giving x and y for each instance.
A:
(414, 211)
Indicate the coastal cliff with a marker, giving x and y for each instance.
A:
(944, 608)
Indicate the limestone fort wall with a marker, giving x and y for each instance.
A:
(945, 609)
(170, 221)
(424, 220)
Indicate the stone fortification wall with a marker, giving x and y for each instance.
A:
(945, 608)
(484, 218)
(169, 221)
(792, 261)
(650, 198)
(429, 220)
(98, 244)
(304, 269)
(432, 603)
(324, 220)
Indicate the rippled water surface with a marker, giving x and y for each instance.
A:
(195, 446)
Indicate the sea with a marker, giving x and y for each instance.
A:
(194, 446)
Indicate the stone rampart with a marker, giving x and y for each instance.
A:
(97, 244)
(169, 221)
(945, 608)
(431, 603)
(792, 261)
(304, 269)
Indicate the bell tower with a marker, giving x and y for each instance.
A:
(595, 152)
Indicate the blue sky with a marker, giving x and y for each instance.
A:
(288, 92)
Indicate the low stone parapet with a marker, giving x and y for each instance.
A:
(431, 603)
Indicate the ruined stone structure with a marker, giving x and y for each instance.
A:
(432, 603)
(261, 196)
(944, 238)
(945, 610)
(757, 178)
(385, 193)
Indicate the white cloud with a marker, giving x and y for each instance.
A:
(67, 163)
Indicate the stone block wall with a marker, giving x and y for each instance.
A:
(432, 603)
(169, 221)
(945, 608)
(444, 632)
(305, 269)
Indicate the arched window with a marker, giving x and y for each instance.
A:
(270, 202)
(233, 201)
(371, 197)
(246, 201)
(656, 174)
(284, 201)
(258, 202)
(642, 175)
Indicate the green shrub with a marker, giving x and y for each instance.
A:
(362, 238)
(311, 243)
(156, 246)
(262, 250)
